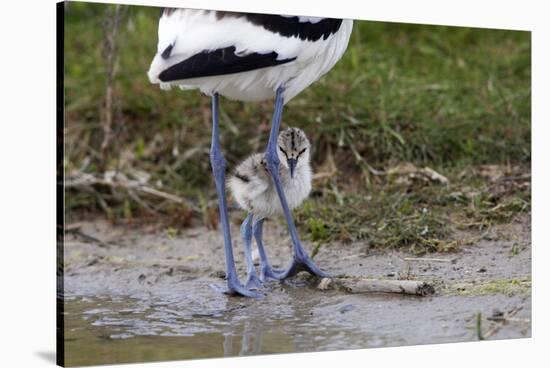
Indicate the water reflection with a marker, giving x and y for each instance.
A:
(250, 340)
(199, 324)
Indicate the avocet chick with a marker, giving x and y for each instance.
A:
(253, 189)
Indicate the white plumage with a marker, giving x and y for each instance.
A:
(191, 32)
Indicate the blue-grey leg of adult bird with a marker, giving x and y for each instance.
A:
(252, 280)
(218, 163)
(301, 260)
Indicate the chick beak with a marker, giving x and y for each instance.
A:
(291, 165)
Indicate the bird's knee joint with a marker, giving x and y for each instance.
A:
(272, 163)
(257, 229)
(218, 162)
(246, 230)
(257, 233)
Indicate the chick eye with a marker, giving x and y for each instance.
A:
(283, 151)
(299, 153)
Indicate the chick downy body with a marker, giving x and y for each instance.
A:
(253, 188)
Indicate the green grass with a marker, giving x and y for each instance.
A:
(417, 216)
(507, 287)
(444, 97)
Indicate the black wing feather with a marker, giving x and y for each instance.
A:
(289, 26)
(285, 26)
(219, 62)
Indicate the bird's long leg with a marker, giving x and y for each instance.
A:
(252, 280)
(301, 260)
(266, 271)
(218, 163)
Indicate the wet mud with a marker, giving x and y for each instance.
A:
(144, 294)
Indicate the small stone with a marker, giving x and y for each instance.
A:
(121, 336)
(482, 269)
(218, 274)
(324, 284)
(346, 308)
(390, 274)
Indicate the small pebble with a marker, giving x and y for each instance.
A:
(121, 336)
(482, 269)
(93, 262)
(346, 308)
(219, 274)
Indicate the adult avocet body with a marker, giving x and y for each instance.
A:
(247, 57)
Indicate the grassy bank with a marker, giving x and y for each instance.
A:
(404, 97)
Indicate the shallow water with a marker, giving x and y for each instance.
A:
(202, 324)
(145, 297)
(116, 330)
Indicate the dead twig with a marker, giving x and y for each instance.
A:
(72, 228)
(428, 259)
(120, 181)
(111, 27)
(323, 175)
(360, 285)
(76, 229)
(406, 172)
(142, 203)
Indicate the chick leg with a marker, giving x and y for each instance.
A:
(266, 271)
(252, 280)
(301, 260)
(234, 286)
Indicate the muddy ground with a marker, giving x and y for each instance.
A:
(143, 295)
